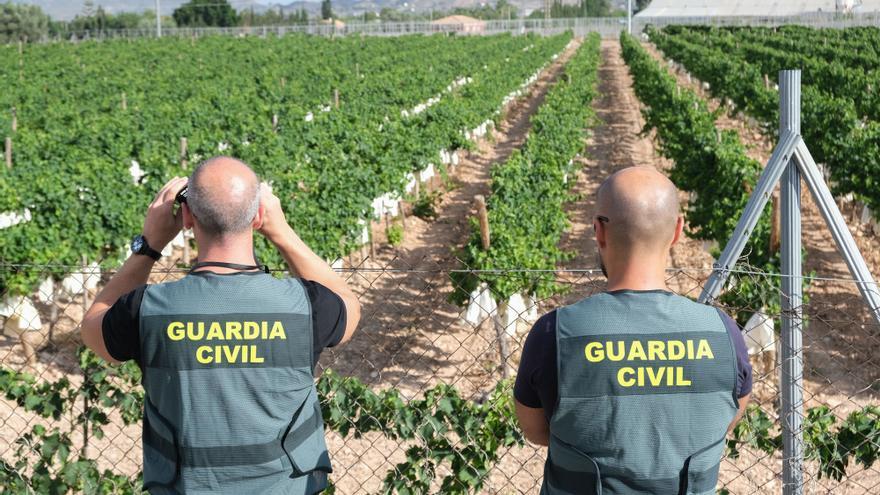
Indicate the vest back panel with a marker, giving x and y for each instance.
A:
(646, 392)
(231, 402)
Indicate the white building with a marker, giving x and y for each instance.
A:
(758, 8)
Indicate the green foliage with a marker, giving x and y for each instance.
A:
(272, 17)
(502, 10)
(529, 191)
(584, 8)
(640, 5)
(840, 97)
(202, 13)
(330, 165)
(43, 455)
(445, 429)
(98, 20)
(425, 206)
(856, 438)
(22, 23)
(326, 9)
(395, 234)
(712, 166)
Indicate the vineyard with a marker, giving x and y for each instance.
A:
(451, 179)
(355, 125)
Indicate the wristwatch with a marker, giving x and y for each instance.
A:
(139, 245)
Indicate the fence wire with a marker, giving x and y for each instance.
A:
(412, 339)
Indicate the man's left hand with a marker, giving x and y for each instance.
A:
(161, 224)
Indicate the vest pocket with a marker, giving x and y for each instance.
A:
(700, 472)
(303, 441)
(569, 470)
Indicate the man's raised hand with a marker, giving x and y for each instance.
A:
(161, 225)
(273, 224)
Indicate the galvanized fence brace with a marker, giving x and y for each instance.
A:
(790, 161)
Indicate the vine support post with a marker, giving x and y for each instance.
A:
(500, 318)
(483, 216)
(400, 207)
(372, 239)
(775, 225)
(85, 277)
(14, 120)
(791, 161)
(275, 123)
(183, 146)
(336, 97)
(53, 312)
(499, 322)
(124, 102)
(8, 147)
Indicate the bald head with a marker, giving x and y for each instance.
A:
(223, 195)
(642, 208)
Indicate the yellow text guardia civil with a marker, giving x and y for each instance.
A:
(651, 350)
(226, 331)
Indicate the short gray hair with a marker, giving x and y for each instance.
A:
(219, 215)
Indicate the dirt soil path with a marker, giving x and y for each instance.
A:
(617, 142)
(840, 338)
(411, 337)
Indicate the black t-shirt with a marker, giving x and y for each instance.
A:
(537, 379)
(121, 327)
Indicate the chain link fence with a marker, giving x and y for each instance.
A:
(411, 341)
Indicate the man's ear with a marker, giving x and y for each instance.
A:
(679, 227)
(188, 219)
(601, 235)
(257, 224)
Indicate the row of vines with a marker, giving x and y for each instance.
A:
(713, 168)
(529, 191)
(840, 104)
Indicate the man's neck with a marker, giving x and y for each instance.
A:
(637, 277)
(238, 251)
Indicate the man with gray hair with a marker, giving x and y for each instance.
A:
(228, 352)
(633, 389)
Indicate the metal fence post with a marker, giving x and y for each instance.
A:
(792, 293)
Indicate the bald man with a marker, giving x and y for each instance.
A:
(633, 389)
(228, 352)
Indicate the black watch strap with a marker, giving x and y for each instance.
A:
(152, 253)
(145, 248)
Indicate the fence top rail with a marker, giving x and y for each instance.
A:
(816, 19)
(741, 270)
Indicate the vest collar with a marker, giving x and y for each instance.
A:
(636, 291)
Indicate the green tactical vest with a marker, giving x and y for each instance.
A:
(646, 392)
(231, 405)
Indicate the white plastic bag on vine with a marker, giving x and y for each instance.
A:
(21, 316)
(481, 305)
